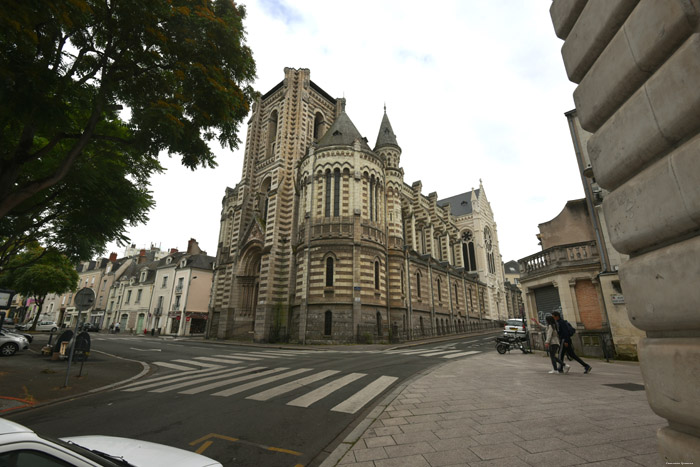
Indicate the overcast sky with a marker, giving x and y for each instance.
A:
(474, 89)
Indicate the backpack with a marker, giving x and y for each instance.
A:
(569, 328)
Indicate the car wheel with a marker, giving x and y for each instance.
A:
(8, 349)
(502, 348)
(54, 329)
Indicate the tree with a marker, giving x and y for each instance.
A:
(180, 69)
(48, 272)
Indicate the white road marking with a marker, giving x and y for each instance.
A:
(291, 386)
(362, 397)
(174, 366)
(146, 350)
(238, 357)
(255, 384)
(218, 360)
(228, 382)
(233, 371)
(318, 394)
(442, 352)
(204, 372)
(181, 378)
(195, 363)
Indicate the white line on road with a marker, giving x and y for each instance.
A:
(218, 360)
(173, 366)
(462, 354)
(431, 354)
(195, 363)
(318, 394)
(237, 357)
(357, 401)
(146, 350)
(231, 381)
(291, 386)
(255, 384)
(155, 382)
(204, 380)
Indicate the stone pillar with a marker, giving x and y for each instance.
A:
(637, 65)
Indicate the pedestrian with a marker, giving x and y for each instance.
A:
(551, 344)
(567, 347)
(111, 328)
(116, 328)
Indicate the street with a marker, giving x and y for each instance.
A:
(243, 405)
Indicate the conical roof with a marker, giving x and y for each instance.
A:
(342, 133)
(386, 136)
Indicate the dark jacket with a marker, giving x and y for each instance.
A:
(563, 330)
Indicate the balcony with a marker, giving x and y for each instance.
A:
(574, 255)
(157, 311)
(178, 288)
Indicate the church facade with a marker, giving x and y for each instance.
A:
(323, 241)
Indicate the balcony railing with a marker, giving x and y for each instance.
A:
(178, 288)
(158, 311)
(559, 257)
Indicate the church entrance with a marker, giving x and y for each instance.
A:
(249, 286)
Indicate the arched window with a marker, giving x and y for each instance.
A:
(418, 284)
(439, 290)
(376, 275)
(329, 272)
(468, 251)
(336, 193)
(328, 323)
(371, 198)
(318, 126)
(272, 133)
(379, 324)
(456, 296)
(328, 193)
(488, 243)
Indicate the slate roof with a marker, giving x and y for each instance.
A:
(461, 204)
(512, 267)
(342, 133)
(386, 136)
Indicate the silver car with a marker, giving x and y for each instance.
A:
(515, 327)
(10, 343)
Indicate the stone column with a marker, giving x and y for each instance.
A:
(637, 65)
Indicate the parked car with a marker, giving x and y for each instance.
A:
(515, 327)
(90, 327)
(10, 343)
(29, 337)
(20, 446)
(40, 326)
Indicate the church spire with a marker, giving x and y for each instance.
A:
(386, 135)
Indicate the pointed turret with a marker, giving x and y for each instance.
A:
(342, 133)
(386, 136)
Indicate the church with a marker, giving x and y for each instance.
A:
(322, 241)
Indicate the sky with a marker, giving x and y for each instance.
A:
(474, 89)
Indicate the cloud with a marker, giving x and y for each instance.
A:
(278, 9)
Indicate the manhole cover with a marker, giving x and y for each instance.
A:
(627, 386)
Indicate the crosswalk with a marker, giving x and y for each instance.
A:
(239, 380)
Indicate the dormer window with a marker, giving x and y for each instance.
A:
(183, 263)
(168, 260)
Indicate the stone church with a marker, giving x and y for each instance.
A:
(322, 241)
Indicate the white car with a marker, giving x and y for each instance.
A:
(21, 447)
(10, 343)
(40, 326)
(515, 327)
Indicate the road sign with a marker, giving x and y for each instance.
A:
(84, 299)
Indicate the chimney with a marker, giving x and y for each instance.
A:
(112, 257)
(142, 256)
(193, 247)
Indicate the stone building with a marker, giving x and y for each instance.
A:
(322, 240)
(637, 65)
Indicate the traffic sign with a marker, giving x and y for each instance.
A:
(84, 299)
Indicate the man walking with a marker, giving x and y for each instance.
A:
(567, 347)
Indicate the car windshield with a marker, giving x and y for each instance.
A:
(515, 322)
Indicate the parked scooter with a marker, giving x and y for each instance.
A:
(506, 343)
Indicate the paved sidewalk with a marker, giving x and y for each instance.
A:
(506, 410)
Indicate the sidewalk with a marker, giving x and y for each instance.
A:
(507, 411)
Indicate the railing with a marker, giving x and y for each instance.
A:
(559, 257)
(157, 311)
(369, 333)
(178, 288)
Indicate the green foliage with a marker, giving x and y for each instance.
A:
(36, 272)
(73, 171)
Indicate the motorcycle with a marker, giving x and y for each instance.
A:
(507, 343)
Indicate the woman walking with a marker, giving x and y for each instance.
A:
(551, 344)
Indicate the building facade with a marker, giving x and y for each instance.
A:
(322, 239)
(636, 65)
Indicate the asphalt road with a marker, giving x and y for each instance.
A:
(243, 405)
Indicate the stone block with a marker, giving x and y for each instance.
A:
(674, 21)
(657, 205)
(564, 14)
(673, 92)
(612, 79)
(669, 366)
(596, 25)
(626, 142)
(677, 447)
(661, 287)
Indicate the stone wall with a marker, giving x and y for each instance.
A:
(637, 64)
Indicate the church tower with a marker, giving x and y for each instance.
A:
(254, 255)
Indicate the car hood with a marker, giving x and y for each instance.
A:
(143, 453)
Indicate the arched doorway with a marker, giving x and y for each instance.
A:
(249, 286)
